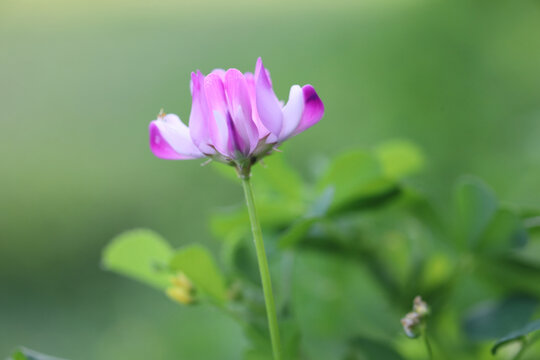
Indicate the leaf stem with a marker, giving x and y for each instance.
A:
(263, 268)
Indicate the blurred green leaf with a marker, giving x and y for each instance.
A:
(529, 254)
(491, 320)
(230, 224)
(399, 158)
(197, 264)
(27, 354)
(296, 232)
(300, 228)
(258, 354)
(335, 299)
(261, 348)
(475, 206)
(141, 254)
(352, 175)
(366, 349)
(510, 275)
(378, 193)
(276, 176)
(437, 270)
(504, 231)
(244, 261)
(516, 335)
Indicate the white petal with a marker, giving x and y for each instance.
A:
(292, 112)
(176, 134)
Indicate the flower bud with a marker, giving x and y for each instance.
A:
(182, 289)
(182, 281)
(180, 295)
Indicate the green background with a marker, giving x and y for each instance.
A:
(80, 81)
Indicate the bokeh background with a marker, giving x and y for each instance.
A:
(80, 80)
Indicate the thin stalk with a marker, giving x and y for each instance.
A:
(426, 341)
(428, 347)
(263, 268)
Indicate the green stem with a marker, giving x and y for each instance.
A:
(263, 268)
(428, 344)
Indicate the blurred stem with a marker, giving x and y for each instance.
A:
(263, 268)
(426, 341)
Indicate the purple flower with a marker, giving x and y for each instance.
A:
(235, 118)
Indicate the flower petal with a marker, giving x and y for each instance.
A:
(220, 132)
(313, 109)
(220, 73)
(250, 81)
(292, 112)
(240, 107)
(199, 117)
(170, 139)
(268, 106)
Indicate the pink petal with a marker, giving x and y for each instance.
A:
(292, 112)
(313, 109)
(170, 139)
(250, 81)
(220, 73)
(240, 111)
(199, 117)
(268, 106)
(219, 115)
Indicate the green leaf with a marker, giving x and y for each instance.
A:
(197, 264)
(352, 175)
(491, 320)
(516, 335)
(504, 232)
(364, 348)
(335, 299)
(528, 255)
(359, 182)
(510, 276)
(278, 177)
(300, 228)
(378, 193)
(243, 259)
(230, 224)
(27, 354)
(399, 158)
(296, 232)
(475, 206)
(141, 254)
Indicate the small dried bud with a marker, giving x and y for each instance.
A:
(413, 321)
(411, 324)
(420, 306)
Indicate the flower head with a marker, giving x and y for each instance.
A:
(235, 118)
